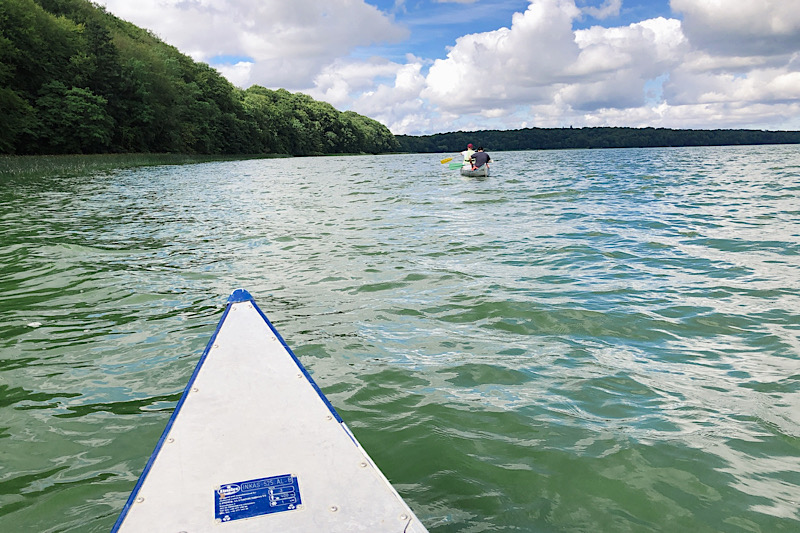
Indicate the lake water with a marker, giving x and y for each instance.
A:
(586, 341)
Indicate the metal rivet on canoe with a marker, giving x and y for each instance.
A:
(362, 464)
(216, 346)
(329, 417)
(195, 389)
(333, 508)
(139, 499)
(274, 338)
(300, 376)
(170, 440)
(403, 517)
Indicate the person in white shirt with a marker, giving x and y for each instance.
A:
(468, 154)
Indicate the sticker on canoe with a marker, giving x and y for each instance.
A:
(256, 497)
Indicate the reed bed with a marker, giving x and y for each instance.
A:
(78, 165)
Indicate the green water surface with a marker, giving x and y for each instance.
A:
(586, 341)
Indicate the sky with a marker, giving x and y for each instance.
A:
(430, 66)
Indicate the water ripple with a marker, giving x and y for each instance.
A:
(585, 341)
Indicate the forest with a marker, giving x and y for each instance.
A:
(75, 79)
(562, 138)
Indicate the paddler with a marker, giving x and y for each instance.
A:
(468, 154)
(480, 158)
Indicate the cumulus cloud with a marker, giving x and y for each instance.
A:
(741, 27)
(657, 72)
(615, 64)
(743, 65)
(542, 60)
(498, 68)
(397, 104)
(381, 89)
(288, 42)
(237, 73)
(609, 8)
(732, 63)
(758, 86)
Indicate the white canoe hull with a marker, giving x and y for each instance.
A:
(482, 172)
(254, 445)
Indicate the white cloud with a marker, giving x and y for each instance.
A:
(615, 64)
(542, 61)
(384, 90)
(648, 47)
(731, 63)
(338, 82)
(237, 73)
(741, 27)
(646, 74)
(698, 116)
(498, 68)
(610, 8)
(289, 41)
(758, 86)
(398, 105)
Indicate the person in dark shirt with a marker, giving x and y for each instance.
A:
(480, 158)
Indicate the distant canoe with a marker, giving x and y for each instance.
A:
(254, 445)
(482, 172)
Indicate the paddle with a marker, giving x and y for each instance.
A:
(455, 165)
(447, 160)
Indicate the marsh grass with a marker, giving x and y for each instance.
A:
(81, 165)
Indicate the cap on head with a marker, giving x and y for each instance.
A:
(469, 145)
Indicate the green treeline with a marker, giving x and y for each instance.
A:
(76, 79)
(561, 138)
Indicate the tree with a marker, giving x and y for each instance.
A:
(15, 112)
(73, 120)
(74, 78)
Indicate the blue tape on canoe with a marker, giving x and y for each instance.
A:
(301, 367)
(256, 497)
(239, 295)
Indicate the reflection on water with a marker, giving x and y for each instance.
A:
(585, 341)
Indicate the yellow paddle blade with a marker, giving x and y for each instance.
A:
(447, 160)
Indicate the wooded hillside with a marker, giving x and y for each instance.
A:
(76, 79)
